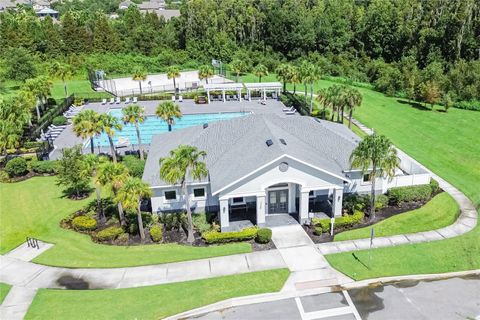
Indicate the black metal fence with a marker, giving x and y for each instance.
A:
(47, 119)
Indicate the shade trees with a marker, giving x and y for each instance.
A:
(63, 71)
(168, 111)
(86, 125)
(110, 125)
(353, 99)
(205, 72)
(40, 87)
(283, 73)
(375, 155)
(183, 163)
(135, 114)
(238, 67)
(72, 171)
(14, 115)
(130, 195)
(260, 71)
(139, 74)
(430, 93)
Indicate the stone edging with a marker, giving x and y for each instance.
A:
(467, 220)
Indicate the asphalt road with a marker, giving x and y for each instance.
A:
(456, 298)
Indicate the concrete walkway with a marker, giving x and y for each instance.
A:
(465, 222)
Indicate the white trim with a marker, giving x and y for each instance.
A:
(273, 161)
(169, 186)
(237, 203)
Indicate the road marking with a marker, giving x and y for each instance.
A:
(352, 305)
(320, 314)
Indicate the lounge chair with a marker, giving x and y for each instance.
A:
(173, 98)
(112, 100)
(118, 100)
(104, 101)
(135, 99)
(291, 112)
(127, 100)
(180, 99)
(288, 109)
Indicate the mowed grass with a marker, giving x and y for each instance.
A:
(154, 302)
(79, 87)
(4, 289)
(35, 207)
(439, 212)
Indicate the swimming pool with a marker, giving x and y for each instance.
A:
(153, 125)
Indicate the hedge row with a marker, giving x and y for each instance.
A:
(47, 166)
(323, 225)
(84, 223)
(400, 195)
(467, 105)
(223, 237)
(108, 234)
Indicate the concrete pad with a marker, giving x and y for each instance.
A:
(191, 270)
(415, 237)
(20, 273)
(323, 301)
(469, 222)
(25, 253)
(290, 236)
(460, 228)
(398, 240)
(432, 235)
(362, 244)
(470, 214)
(16, 303)
(344, 246)
(103, 278)
(265, 260)
(381, 242)
(144, 276)
(303, 258)
(328, 248)
(447, 232)
(229, 265)
(51, 277)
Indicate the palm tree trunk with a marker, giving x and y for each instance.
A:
(372, 196)
(100, 214)
(140, 148)
(306, 92)
(294, 88)
(324, 116)
(92, 149)
(65, 88)
(311, 98)
(333, 113)
(190, 237)
(38, 112)
(121, 214)
(112, 149)
(140, 222)
(350, 115)
(284, 85)
(140, 85)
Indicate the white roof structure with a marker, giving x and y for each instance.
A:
(223, 86)
(263, 85)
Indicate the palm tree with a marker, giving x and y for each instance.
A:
(283, 72)
(172, 73)
(205, 72)
(305, 72)
(63, 71)
(294, 77)
(40, 87)
(109, 124)
(135, 114)
(353, 99)
(375, 155)
(323, 96)
(92, 163)
(86, 125)
(183, 162)
(130, 195)
(113, 175)
(168, 111)
(139, 74)
(260, 71)
(238, 67)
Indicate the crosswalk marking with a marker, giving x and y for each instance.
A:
(320, 314)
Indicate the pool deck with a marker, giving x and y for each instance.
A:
(68, 139)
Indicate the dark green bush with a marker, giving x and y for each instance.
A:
(132, 219)
(223, 237)
(174, 221)
(134, 165)
(109, 234)
(467, 105)
(353, 202)
(381, 201)
(59, 121)
(16, 167)
(84, 223)
(156, 233)
(47, 166)
(264, 235)
(33, 144)
(434, 185)
(200, 222)
(323, 225)
(400, 195)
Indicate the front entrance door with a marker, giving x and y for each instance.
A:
(278, 201)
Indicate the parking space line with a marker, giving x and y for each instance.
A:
(320, 314)
(352, 305)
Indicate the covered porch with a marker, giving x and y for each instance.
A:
(223, 89)
(262, 89)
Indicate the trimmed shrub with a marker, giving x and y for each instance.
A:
(400, 195)
(264, 235)
(59, 121)
(4, 177)
(156, 233)
(467, 105)
(109, 234)
(355, 201)
(122, 238)
(435, 186)
(381, 201)
(134, 165)
(47, 166)
(84, 223)
(16, 167)
(174, 221)
(33, 144)
(348, 221)
(200, 222)
(223, 237)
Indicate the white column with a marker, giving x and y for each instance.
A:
(303, 212)
(249, 95)
(240, 95)
(208, 96)
(291, 198)
(223, 94)
(264, 95)
(224, 216)
(261, 210)
(337, 202)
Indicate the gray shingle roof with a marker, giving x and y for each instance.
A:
(237, 147)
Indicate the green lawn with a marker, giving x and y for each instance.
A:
(41, 206)
(80, 87)
(439, 212)
(152, 302)
(4, 288)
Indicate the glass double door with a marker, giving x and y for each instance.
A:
(278, 201)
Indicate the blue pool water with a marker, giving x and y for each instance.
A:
(153, 125)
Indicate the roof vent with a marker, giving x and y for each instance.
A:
(205, 125)
(269, 142)
(283, 142)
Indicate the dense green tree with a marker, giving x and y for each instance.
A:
(72, 171)
(19, 64)
(40, 87)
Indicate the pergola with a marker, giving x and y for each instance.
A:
(263, 87)
(224, 87)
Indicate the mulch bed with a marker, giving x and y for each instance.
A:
(29, 175)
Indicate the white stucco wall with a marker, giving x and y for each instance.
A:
(160, 203)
